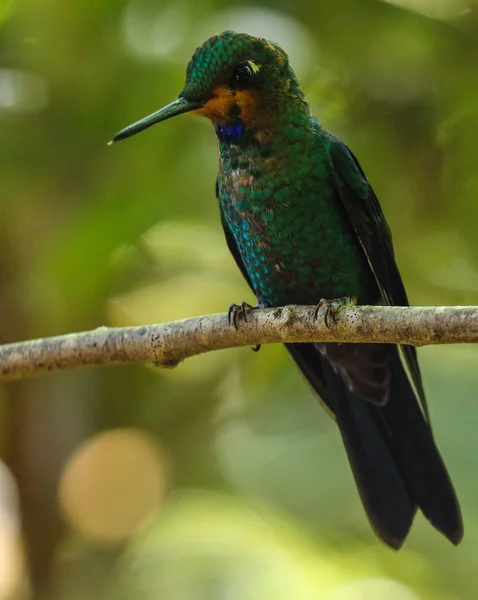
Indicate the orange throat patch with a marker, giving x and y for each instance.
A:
(220, 108)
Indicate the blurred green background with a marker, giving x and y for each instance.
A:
(221, 479)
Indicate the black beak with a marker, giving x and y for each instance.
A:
(178, 107)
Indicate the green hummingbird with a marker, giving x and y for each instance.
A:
(303, 223)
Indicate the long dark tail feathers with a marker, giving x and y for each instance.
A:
(425, 472)
(380, 485)
(391, 451)
(384, 495)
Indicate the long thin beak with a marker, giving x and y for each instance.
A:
(178, 107)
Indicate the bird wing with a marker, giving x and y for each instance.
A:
(368, 222)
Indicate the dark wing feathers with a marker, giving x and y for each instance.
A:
(367, 220)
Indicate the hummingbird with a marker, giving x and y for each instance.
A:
(305, 227)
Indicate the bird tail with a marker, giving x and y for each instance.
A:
(390, 448)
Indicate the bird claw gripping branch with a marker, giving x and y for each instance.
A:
(332, 308)
(240, 310)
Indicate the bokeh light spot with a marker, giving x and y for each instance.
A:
(372, 588)
(11, 556)
(154, 33)
(113, 484)
(22, 92)
(435, 9)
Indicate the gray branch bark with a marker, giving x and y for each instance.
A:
(167, 344)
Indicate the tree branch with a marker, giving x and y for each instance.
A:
(167, 344)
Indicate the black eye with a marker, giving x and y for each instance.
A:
(242, 77)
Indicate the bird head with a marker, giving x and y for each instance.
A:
(234, 79)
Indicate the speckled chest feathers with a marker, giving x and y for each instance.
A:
(277, 198)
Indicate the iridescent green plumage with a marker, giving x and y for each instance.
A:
(303, 223)
(284, 220)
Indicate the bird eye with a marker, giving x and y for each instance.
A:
(243, 76)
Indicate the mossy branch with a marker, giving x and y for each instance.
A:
(167, 344)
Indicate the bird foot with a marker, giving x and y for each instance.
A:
(240, 310)
(332, 308)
